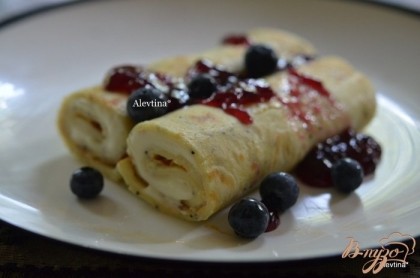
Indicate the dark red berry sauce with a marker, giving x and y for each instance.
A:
(233, 93)
(303, 98)
(236, 39)
(122, 79)
(127, 78)
(273, 221)
(296, 79)
(234, 99)
(315, 168)
(222, 76)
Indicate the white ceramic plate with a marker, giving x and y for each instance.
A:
(49, 55)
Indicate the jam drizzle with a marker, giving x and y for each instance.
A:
(233, 94)
(127, 78)
(234, 99)
(303, 98)
(236, 39)
(274, 220)
(222, 76)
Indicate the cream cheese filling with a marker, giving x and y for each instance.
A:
(93, 127)
(169, 170)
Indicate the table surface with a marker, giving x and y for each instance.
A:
(24, 254)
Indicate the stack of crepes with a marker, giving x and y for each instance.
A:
(194, 161)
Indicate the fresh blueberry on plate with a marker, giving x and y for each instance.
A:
(347, 175)
(279, 191)
(248, 218)
(86, 182)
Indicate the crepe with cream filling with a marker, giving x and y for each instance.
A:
(195, 161)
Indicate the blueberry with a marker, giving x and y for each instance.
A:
(260, 60)
(279, 191)
(347, 175)
(86, 183)
(146, 104)
(202, 86)
(248, 218)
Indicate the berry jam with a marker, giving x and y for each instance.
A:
(303, 99)
(273, 222)
(222, 76)
(234, 98)
(298, 79)
(233, 93)
(125, 79)
(315, 169)
(236, 39)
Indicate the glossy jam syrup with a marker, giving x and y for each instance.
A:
(234, 91)
(236, 39)
(274, 220)
(125, 79)
(305, 96)
(235, 98)
(315, 168)
(297, 79)
(222, 76)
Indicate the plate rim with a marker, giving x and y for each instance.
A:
(11, 20)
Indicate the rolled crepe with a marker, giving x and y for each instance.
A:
(193, 162)
(94, 124)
